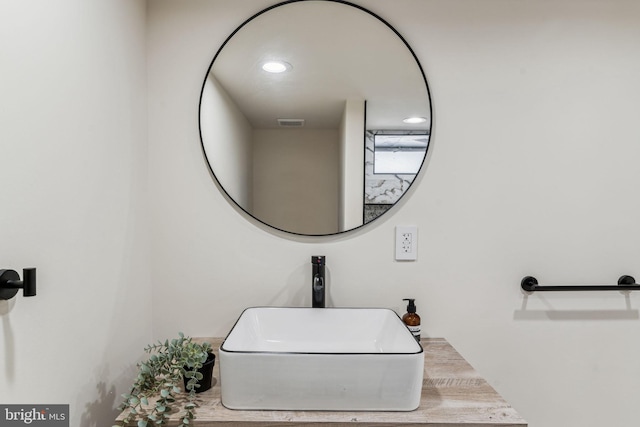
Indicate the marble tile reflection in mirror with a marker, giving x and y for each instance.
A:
(393, 158)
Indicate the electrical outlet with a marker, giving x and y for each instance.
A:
(406, 243)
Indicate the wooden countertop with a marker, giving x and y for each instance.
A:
(453, 394)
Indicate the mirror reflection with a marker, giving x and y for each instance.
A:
(315, 117)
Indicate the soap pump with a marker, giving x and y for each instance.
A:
(411, 319)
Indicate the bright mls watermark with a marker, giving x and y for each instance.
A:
(34, 415)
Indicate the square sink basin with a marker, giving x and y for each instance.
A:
(332, 359)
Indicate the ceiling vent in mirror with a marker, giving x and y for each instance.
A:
(291, 123)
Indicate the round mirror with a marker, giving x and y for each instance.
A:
(315, 116)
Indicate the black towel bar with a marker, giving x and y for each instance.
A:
(625, 283)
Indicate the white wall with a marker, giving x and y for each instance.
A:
(72, 202)
(352, 146)
(295, 179)
(226, 135)
(532, 170)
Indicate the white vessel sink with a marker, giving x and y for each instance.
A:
(343, 359)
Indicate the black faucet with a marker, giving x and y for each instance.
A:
(318, 286)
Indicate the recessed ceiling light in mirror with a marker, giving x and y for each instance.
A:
(276, 66)
(414, 120)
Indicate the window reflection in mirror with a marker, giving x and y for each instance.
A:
(398, 154)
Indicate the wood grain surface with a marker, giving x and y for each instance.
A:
(453, 394)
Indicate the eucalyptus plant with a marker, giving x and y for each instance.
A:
(159, 378)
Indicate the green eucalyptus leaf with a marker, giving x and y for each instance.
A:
(161, 375)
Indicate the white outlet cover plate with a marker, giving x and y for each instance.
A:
(406, 243)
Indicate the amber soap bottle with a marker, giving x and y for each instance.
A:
(411, 319)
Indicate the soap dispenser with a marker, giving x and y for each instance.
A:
(411, 319)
